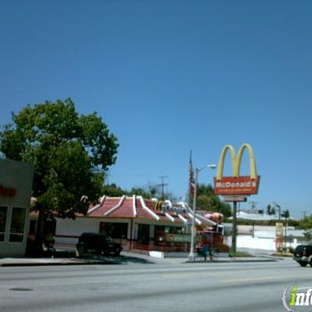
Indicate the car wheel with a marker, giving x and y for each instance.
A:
(303, 264)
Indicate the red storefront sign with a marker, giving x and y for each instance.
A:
(7, 191)
(242, 185)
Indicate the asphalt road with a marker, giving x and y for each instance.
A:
(150, 287)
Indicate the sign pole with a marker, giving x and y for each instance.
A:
(236, 187)
(234, 232)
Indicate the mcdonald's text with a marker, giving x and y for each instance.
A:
(242, 185)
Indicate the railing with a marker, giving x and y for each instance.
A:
(165, 247)
(141, 247)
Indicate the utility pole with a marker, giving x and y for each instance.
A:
(162, 185)
(253, 206)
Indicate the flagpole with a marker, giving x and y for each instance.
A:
(191, 256)
(191, 180)
(193, 232)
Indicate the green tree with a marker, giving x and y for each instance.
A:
(113, 190)
(149, 191)
(207, 200)
(285, 214)
(269, 210)
(140, 191)
(306, 224)
(70, 153)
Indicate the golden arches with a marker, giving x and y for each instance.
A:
(236, 161)
(159, 205)
(222, 159)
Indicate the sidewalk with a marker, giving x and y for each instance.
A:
(125, 258)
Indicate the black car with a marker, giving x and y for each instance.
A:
(303, 255)
(97, 243)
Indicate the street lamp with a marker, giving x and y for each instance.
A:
(193, 231)
(279, 209)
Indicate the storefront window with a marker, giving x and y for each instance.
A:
(114, 230)
(3, 217)
(144, 233)
(17, 224)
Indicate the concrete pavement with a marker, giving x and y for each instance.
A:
(126, 258)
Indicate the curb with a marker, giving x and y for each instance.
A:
(54, 262)
(80, 261)
(232, 261)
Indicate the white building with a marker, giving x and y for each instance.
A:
(15, 193)
(262, 237)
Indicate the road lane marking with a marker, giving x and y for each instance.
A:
(188, 274)
(249, 279)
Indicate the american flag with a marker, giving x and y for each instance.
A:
(191, 176)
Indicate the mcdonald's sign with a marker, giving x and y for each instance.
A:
(237, 184)
(159, 205)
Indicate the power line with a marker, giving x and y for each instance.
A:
(162, 184)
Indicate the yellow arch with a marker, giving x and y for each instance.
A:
(252, 161)
(236, 161)
(222, 159)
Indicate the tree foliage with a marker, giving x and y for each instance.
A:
(148, 191)
(113, 190)
(207, 200)
(306, 223)
(70, 153)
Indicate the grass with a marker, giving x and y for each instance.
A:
(240, 254)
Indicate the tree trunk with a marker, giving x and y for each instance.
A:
(39, 238)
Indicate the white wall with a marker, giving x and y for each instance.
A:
(68, 231)
(246, 241)
(18, 176)
(72, 229)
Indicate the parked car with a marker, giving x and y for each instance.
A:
(97, 243)
(303, 255)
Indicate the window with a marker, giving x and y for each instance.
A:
(144, 233)
(3, 218)
(114, 230)
(17, 224)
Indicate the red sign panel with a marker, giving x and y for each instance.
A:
(242, 185)
(5, 191)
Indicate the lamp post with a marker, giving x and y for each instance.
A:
(279, 210)
(193, 231)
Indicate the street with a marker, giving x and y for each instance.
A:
(167, 286)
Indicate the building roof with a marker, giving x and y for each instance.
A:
(254, 216)
(135, 207)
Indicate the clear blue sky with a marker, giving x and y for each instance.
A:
(170, 76)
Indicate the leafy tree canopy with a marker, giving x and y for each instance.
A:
(306, 223)
(113, 190)
(70, 153)
(207, 200)
(148, 191)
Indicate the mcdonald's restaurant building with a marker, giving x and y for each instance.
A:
(15, 194)
(139, 224)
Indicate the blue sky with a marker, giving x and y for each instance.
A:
(172, 76)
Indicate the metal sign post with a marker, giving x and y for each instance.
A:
(234, 230)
